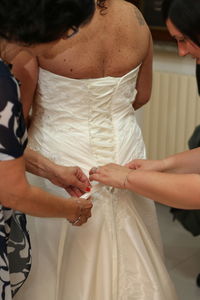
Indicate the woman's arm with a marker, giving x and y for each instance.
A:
(16, 193)
(184, 162)
(144, 81)
(72, 179)
(25, 69)
(176, 190)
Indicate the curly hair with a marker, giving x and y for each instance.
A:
(41, 21)
(102, 5)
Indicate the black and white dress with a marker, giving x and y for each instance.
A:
(15, 258)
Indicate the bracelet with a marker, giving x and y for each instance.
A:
(126, 178)
(80, 214)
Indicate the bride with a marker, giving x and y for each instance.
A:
(83, 113)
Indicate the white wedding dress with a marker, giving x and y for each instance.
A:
(117, 255)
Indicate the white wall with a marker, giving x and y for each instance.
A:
(166, 59)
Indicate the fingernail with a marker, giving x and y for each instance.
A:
(88, 189)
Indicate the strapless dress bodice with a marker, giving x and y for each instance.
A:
(95, 114)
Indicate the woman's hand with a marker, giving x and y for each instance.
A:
(79, 210)
(146, 165)
(72, 179)
(111, 174)
(116, 175)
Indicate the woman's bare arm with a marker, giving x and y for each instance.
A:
(25, 68)
(183, 162)
(16, 193)
(72, 179)
(144, 81)
(176, 190)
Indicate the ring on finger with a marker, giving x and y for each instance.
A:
(94, 169)
(76, 221)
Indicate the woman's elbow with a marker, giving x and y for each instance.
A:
(140, 102)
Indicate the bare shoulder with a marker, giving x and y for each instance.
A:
(131, 22)
(139, 16)
(130, 15)
(134, 12)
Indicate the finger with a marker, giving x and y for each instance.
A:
(131, 166)
(82, 183)
(84, 219)
(83, 187)
(80, 221)
(76, 191)
(94, 177)
(70, 192)
(86, 205)
(76, 221)
(77, 224)
(93, 170)
(88, 215)
(81, 177)
(89, 202)
(84, 179)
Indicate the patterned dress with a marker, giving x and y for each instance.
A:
(15, 259)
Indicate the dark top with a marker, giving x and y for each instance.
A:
(190, 219)
(15, 259)
(13, 137)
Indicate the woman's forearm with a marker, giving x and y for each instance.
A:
(185, 162)
(18, 194)
(38, 164)
(176, 190)
(34, 201)
(72, 179)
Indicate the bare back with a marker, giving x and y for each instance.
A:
(110, 45)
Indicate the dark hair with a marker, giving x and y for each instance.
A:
(102, 5)
(185, 15)
(41, 21)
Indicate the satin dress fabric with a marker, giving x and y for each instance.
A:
(117, 254)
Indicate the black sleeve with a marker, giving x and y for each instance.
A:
(12, 126)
